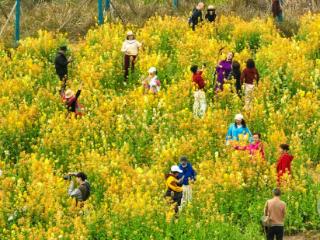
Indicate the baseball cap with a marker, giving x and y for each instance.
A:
(175, 168)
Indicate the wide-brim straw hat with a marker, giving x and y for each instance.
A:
(69, 93)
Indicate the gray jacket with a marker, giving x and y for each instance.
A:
(75, 192)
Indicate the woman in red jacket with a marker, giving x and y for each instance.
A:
(284, 162)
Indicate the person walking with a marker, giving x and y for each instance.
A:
(249, 77)
(275, 212)
(130, 48)
(189, 175)
(277, 10)
(237, 129)
(196, 16)
(211, 14)
(223, 71)
(200, 102)
(236, 74)
(152, 83)
(61, 63)
(174, 188)
(284, 161)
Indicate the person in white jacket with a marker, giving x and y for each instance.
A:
(152, 83)
(130, 48)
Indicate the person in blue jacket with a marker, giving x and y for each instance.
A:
(238, 128)
(189, 175)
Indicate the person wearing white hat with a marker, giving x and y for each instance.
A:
(152, 83)
(130, 48)
(174, 188)
(238, 130)
(211, 14)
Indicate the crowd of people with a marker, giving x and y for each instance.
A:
(181, 177)
(226, 70)
(179, 180)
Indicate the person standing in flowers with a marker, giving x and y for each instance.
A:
(130, 48)
(255, 147)
(61, 65)
(152, 83)
(249, 77)
(277, 10)
(236, 74)
(284, 161)
(223, 71)
(275, 212)
(211, 14)
(71, 101)
(81, 193)
(237, 129)
(174, 188)
(200, 102)
(196, 16)
(189, 175)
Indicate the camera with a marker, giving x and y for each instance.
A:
(69, 176)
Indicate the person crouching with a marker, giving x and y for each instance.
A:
(174, 188)
(151, 83)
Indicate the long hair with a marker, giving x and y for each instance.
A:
(251, 64)
(243, 123)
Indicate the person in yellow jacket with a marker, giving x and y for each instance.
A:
(174, 187)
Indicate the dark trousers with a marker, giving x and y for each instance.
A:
(275, 231)
(129, 62)
(63, 79)
(176, 198)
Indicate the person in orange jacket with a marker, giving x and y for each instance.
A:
(174, 187)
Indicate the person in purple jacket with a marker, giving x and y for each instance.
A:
(223, 70)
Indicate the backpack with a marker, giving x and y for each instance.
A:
(85, 190)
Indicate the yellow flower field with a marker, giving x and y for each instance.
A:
(127, 141)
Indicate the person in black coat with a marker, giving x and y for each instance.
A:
(196, 16)
(211, 14)
(236, 74)
(61, 64)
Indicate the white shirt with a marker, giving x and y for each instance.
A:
(154, 84)
(131, 47)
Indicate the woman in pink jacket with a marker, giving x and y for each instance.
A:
(255, 147)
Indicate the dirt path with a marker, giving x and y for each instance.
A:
(306, 236)
(312, 235)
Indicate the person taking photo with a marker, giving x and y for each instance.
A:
(82, 192)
